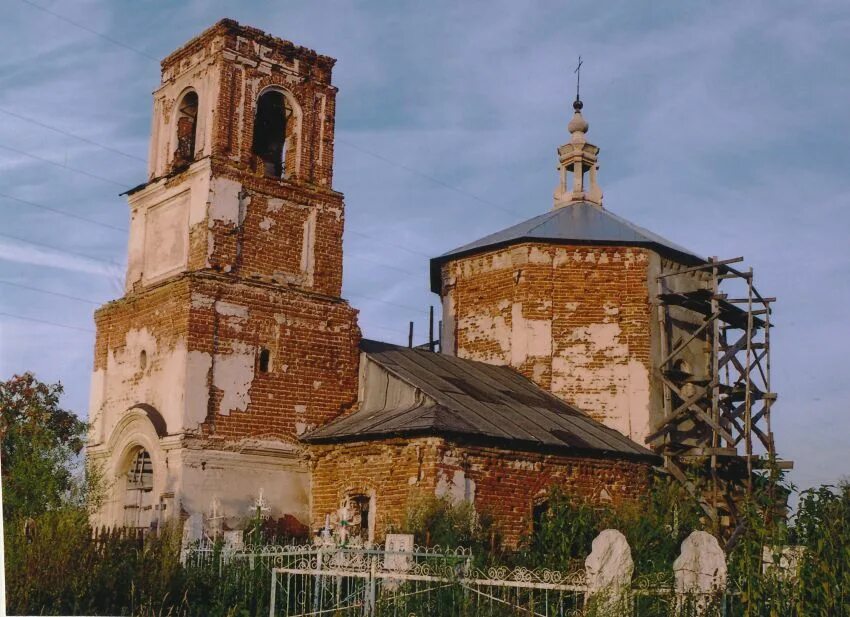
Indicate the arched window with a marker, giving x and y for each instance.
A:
(138, 490)
(274, 132)
(187, 124)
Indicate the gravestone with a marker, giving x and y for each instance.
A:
(608, 571)
(700, 571)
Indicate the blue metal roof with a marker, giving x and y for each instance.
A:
(579, 223)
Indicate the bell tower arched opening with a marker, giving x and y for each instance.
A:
(187, 128)
(276, 134)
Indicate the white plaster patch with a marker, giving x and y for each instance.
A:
(200, 301)
(308, 243)
(458, 488)
(96, 399)
(231, 310)
(273, 204)
(529, 337)
(233, 374)
(198, 366)
(166, 232)
(618, 391)
(317, 385)
(266, 224)
(487, 327)
(538, 256)
(161, 383)
(301, 409)
(538, 371)
(224, 200)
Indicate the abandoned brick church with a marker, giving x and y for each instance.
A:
(232, 374)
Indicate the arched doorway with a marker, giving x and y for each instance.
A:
(138, 490)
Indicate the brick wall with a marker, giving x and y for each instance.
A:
(503, 483)
(574, 319)
(313, 355)
(395, 471)
(507, 483)
(223, 324)
(163, 310)
(270, 242)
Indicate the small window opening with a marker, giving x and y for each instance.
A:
(271, 131)
(358, 506)
(265, 356)
(187, 122)
(538, 515)
(143, 359)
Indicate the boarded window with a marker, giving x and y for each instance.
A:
(187, 125)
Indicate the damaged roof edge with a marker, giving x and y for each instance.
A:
(463, 439)
(437, 262)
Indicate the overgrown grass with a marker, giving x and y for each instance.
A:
(59, 569)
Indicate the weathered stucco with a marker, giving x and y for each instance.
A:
(231, 338)
(575, 319)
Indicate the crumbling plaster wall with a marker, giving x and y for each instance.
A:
(507, 484)
(202, 341)
(229, 66)
(396, 471)
(236, 472)
(501, 482)
(203, 220)
(141, 356)
(313, 358)
(575, 319)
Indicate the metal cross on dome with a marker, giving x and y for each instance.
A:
(578, 77)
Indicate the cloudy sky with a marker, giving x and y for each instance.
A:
(723, 126)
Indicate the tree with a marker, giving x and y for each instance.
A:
(40, 442)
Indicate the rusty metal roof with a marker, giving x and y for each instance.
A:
(579, 223)
(472, 399)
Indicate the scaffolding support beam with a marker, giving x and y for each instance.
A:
(712, 411)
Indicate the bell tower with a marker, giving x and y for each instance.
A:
(231, 339)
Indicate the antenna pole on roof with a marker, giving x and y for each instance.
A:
(431, 329)
(410, 336)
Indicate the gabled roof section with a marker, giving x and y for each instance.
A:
(464, 398)
(578, 223)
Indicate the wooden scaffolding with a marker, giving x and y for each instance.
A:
(716, 434)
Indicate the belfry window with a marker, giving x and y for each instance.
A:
(273, 133)
(138, 490)
(187, 124)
